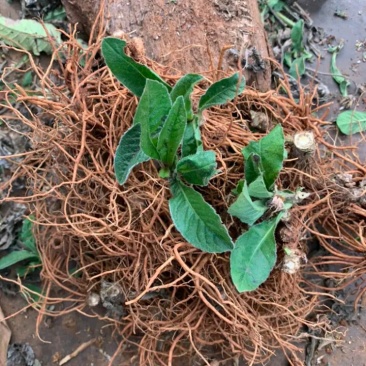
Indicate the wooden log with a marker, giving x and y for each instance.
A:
(187, 35)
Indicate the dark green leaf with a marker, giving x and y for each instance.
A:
(172, 132)
(23, 271)
(184, 88)
(222, 91)
(254, 256)
(247, 210)
(296, 36)
(128, 153)
(253, 168)
(271, 150)
(58, 14)
(197, 221)
(336, 73)
(151, 112)
(192, 142)
(350, 122)
(15, 257)
(130, 73)
(198, 168)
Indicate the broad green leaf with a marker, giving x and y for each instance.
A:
(271, 150)
(336, 73)
(15, 257)
(129, 72)
(198, 168)
(172, 132)
(29, 35)
(258, 189)
(27, 237)
(192, 142)
(245, 209)
(184, 88)
(350, 122)
(222, 91)
(128, 153)
(151, 112)
(254, 256)
(197, 221)
(253, 168)
(297, 36)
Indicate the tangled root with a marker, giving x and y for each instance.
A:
(178, 301)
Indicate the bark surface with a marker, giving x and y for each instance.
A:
(188, 35)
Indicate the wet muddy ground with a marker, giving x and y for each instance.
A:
(61, 336)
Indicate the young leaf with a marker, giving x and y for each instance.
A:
(271, 150)
(184, 88)
(15, 257)
(336, 73)
(27, 79)
(192, 142)
(298, 67)
(27, 237)
(128, 153)
(172, 132)
(253, 168)
(197, 221)
(24, 270)
(247, 210)
(153, 108)
(222, 91)
(296, 36)
(29, 35)
(130, 73)
(239, 188)
(254, 256)
(258, 189)
(350, 122)
(198, 168)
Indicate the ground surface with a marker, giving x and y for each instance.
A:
(63, 335)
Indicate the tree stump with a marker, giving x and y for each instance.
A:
(187, 35)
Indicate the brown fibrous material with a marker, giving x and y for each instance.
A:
(124, 234)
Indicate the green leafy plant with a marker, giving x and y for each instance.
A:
(165, 128)
(338, 77)
(29, 254)
(29, 35)
(350, 122)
